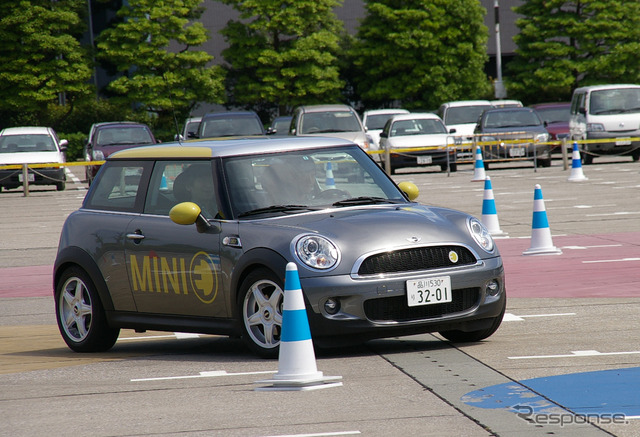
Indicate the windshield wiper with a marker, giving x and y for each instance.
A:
(275, 208)
(364, 200)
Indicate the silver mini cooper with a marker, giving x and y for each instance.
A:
(195, 238)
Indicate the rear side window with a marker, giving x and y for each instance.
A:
(119, 186)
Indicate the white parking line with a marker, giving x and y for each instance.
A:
(209, 374)
(176, 335)
(72, 176)
(611, 260)
(574, 354)
(322, 434)
(508, 317)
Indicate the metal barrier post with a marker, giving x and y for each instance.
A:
(25, 179)
(387, 161)
(565, 165)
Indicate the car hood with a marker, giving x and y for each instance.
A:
(364, 230)
(417, 141)
(31, 157)
(356, 137)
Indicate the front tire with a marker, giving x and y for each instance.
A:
(260, 299)
(473, 336)
(80, 314)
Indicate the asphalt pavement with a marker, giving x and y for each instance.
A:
(565, 361)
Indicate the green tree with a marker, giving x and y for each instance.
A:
(283, 53)
(152, 50)
(566, 44)
(420, 53)
(42, 62)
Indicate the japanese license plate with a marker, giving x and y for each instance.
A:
(429, 291)
(30, 177)
(517, 152)
(425, 159)
(623, 142)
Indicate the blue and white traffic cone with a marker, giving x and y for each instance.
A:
(163, 183)
(297, 360)
(479, 174)
(330, 183)
(489, 212)
(541, 243)
(576, 166)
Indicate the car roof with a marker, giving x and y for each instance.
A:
(324, 108)
(416, 115)
(509, 109)
(22, 130)
(118, 123)
(386, 111)
(225, 148)
(227, 114)
(468, 103)
(606, 87)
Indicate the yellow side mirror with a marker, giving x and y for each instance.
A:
(410, 189)
(185, 213)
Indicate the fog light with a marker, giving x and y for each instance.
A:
(493, 287)
(332, 306)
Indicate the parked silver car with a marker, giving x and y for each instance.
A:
(196, 238)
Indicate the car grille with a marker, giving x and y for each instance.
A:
(396, 309)
(421, 258)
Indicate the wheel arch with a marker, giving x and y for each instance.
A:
(75, 256)
(251, 260)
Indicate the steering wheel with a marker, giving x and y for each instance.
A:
(332, 193)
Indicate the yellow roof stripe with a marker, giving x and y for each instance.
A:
(164, 152)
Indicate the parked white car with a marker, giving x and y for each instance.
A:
(375, 119)
(32, 145)
(415, 131)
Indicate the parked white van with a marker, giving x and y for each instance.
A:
(610, 113)
(462, 115)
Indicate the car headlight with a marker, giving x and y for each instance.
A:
(542, 138)
(480, 234)
(316, 252)
(488, 139)
(98, 155)
(595, 127)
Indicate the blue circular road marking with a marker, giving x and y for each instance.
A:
(614, 391)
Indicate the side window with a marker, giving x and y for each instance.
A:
(120, 186)
(173, 182)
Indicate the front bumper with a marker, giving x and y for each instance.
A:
(41, 176)
(377, 307)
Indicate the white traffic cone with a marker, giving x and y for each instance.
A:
(479, 174)
(296, 361)
(330, 183)
(489, 211)
(576, 166)
(541, 243)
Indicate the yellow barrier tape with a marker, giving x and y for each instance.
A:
(50, 165)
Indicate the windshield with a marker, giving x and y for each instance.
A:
(464, 114)
(238, 126)
(124, 135)
(615, 101)
(504, 119)
(555, 115)
(377, 121)
(291, 182)
(418, 126)
(329, 121)
(26, 143)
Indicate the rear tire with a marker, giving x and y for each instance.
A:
(80, 314)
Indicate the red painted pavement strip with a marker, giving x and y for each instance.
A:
(565, 275)
(568, 275)
(32, 281)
